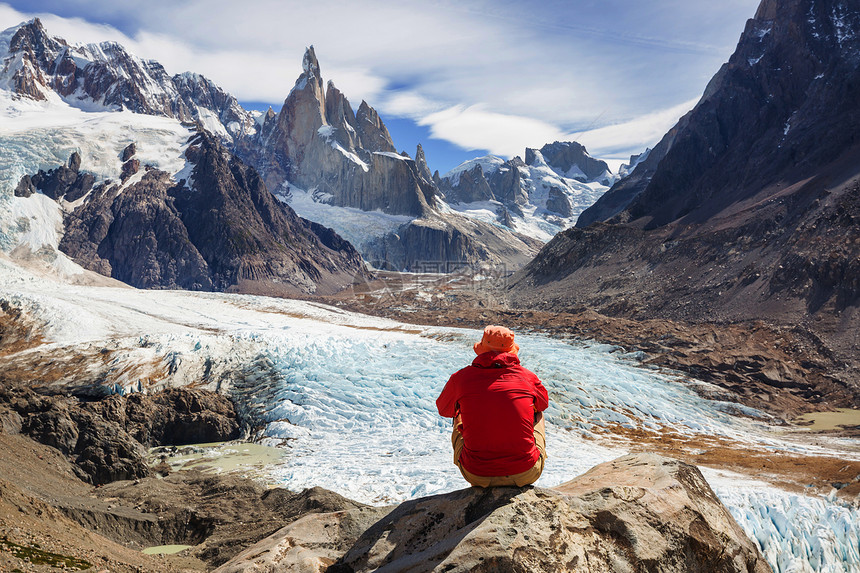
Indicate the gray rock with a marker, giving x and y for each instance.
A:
(557, 202)
(25, 187)
(129, 168)
(106, 438)
(308, 545)
(507, 183)
(75, 161)
(128, 152)
(637, 513)
(640, 512)
(472, 186)
(10, 421)
(445, 243)
(565, 155)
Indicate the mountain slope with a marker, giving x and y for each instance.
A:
(106, 77)
(748, 208)
(340, 167)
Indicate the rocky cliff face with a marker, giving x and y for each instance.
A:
(448, 243)
(107, 439)
(220, 230)
(748, 207)
(782, 109)
(637, 513)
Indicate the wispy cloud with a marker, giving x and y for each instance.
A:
(617, 141)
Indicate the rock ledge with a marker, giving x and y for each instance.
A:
(658, 514)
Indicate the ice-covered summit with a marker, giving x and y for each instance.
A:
(106, 77)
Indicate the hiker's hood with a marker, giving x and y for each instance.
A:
(494, 359)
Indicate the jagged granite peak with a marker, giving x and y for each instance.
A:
(749, 207)
(339, 115)
(471, 186)
(423, 168)
(32, 39)
(226, 232)
(374, 134)
(319, 144)
(203, 93)
(310, 64)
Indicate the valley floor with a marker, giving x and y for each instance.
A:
(349, 397)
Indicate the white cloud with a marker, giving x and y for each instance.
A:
(476, 128)
(624, 139)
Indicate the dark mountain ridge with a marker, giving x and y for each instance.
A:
(222, 230)
(750, 207)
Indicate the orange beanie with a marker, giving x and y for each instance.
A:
(497, 339)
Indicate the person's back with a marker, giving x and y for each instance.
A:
(498, 436)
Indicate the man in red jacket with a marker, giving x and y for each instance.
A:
(499, 436)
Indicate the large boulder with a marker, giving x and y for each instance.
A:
(640, 512)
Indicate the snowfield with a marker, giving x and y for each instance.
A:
(42, 135)
(350, 398)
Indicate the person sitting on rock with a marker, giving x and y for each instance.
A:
(499, 436)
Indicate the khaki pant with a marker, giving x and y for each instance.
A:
(521, 479)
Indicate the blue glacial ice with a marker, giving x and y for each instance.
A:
(357, 414)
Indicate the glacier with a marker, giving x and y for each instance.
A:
(350, 399)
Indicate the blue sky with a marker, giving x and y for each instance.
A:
(463, 77)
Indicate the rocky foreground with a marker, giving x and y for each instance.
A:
(640, 512)
(637, 513)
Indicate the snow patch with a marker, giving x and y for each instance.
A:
(392, 155)
(489, 164)
(361, 228)
(42, 135)
(350, 155)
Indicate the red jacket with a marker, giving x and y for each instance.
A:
(496, 398)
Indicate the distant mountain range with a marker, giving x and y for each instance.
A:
(337, 167)
(749, 208)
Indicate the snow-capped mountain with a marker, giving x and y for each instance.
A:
(537, 197)
(106, 77)
(341, 169)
